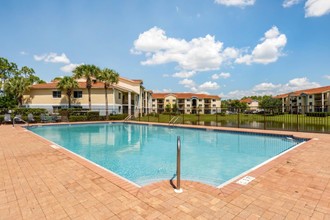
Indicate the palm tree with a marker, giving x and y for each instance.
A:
(88, 72)
(67, 84)
(17, 87)
(108, 77)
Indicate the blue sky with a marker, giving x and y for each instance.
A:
(230, 48)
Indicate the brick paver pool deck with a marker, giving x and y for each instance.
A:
(41, 182)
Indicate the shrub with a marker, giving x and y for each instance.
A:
(318, 114)
(74, 118)
(153, 114)
(118, 117)
(93, 116)
(26, 111)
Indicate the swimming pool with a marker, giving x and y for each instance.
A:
(145, 153)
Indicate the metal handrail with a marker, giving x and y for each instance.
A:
(173, 120)
(20, 119)
(178, 167)
(128, 117)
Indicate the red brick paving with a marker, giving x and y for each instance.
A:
(40, 182)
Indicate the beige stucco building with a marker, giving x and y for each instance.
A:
(128, 96)
(187, 103)
(308, 100)
(252, 104)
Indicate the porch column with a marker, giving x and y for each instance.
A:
(129, 103)
(146, 102)
(322, 95)
(140, 102)
(114, 99)
(283, 110)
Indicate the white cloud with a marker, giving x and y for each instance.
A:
(52, 58)
(238, 3)
(162, 91)
(188, 83)
(317, 8)
(209, 86)
(289, 3)
(198, 54)
(268, 51)
(265, 87)
(220, 75)
(327, 77)
(69, 68)
(184, 74)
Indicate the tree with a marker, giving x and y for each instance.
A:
(17, 86)
(88, 72)
(235, 105)
(16, 82)
(168, 108)
(270, 103)
(108, 77)
(7, 69)
(67, 84)
(174, 108)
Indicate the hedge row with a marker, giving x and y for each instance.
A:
(318, 114)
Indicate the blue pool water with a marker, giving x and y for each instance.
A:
(144, 154)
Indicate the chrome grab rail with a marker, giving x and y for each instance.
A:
(178, 167)
(173, 120)
(20, 119)
(128, 117)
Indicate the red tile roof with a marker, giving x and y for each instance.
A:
(305, 91)
(247, 100)
(53, 85)
(184, 95)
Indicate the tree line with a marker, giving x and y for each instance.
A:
(264, 102)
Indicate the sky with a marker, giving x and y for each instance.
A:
(230, 48)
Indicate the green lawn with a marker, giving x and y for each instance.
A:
(278, 122)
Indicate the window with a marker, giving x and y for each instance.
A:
(167, 100)
(153, 100)
(119, 95)
(188, 105)
(214, 105)
(77, 94)
(201, 100)
(56, 94)
(299, 97)
(200, 105)
(153, 105)
(311, 103)
(213, 100)
(310, 96)
(188, 100)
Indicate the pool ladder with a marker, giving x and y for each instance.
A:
(173, 120)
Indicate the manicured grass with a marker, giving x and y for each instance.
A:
(278, 122)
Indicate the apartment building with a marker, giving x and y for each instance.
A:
(127, 96)
(308, 100)
(252, 104)
(187, 103)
